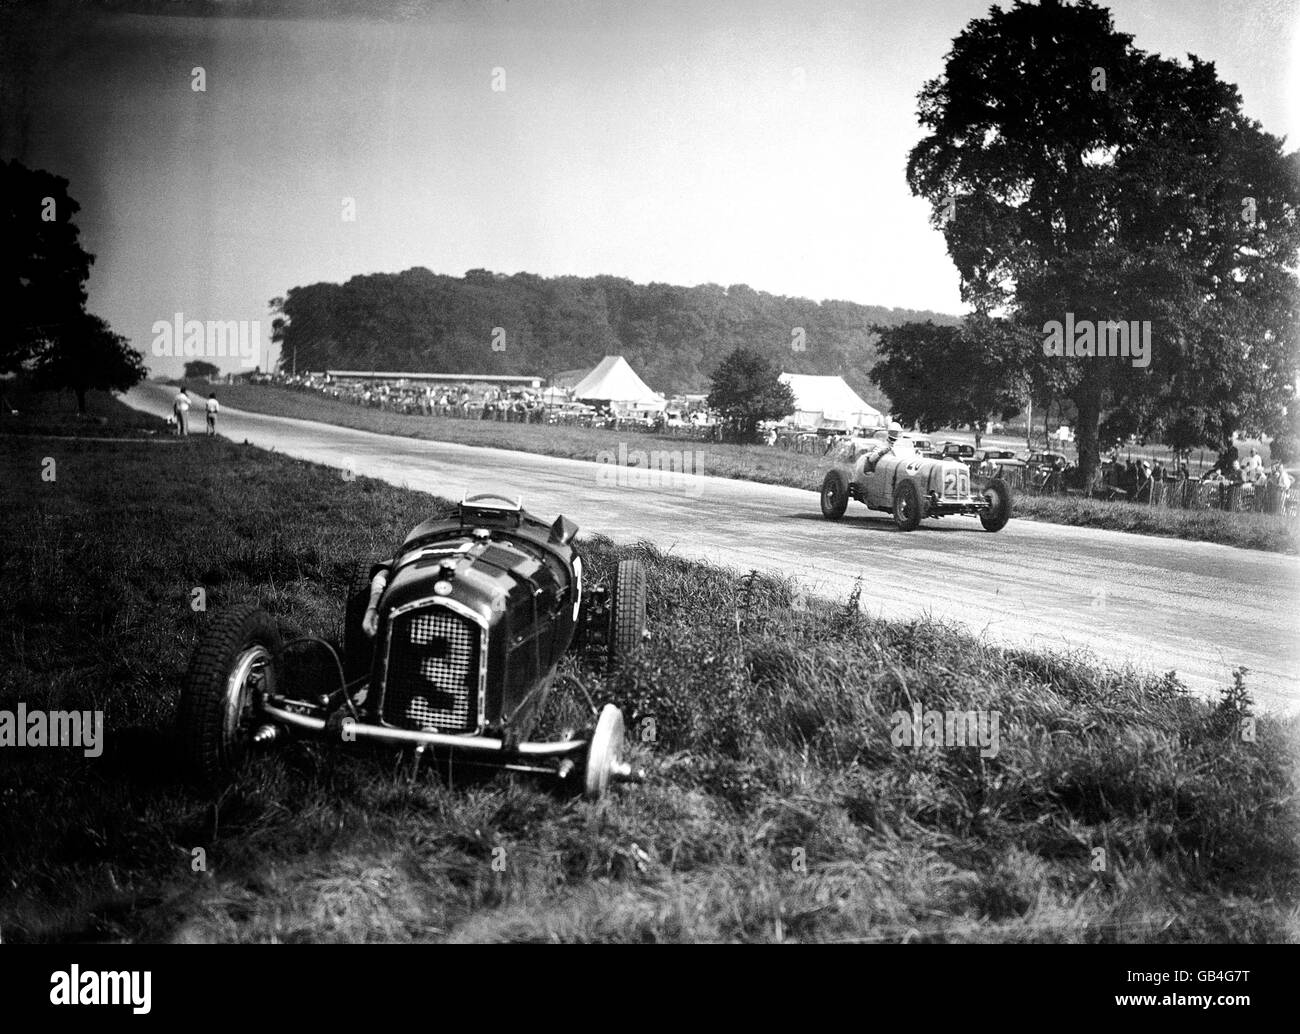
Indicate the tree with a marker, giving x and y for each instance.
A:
(747, 389)
(949, 376)
(422, 321)
(88, 356)
(1074, 174)
(200, 370)
(44, 270)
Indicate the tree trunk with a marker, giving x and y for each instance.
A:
(978, 436)
(1085, 435)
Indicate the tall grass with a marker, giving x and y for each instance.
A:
(1118, 808)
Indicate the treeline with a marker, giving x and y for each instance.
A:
(675, 337)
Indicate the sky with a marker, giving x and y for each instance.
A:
(683, 141)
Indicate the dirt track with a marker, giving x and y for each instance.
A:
(1160, 604)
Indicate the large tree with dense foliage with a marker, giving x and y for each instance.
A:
(88, 356)
(747, 389)
(44, 271)
(1073, 173)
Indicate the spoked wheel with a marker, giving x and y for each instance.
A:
(604, 754)
(237, 663)
(835, 496)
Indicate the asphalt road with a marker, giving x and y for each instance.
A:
(1157, 604)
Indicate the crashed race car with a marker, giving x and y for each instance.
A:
(910, 486)
(451, 647)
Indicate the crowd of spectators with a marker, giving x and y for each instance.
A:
(485, 402)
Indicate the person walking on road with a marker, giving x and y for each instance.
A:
(181, 409)
(212, 407)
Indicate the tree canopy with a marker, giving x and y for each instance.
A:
(88, 356)
(1074, 174)
(950, 376)
(200, 369)
(747, 389)
(42, 281)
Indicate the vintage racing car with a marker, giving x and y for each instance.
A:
(910, 486)
(451, 646)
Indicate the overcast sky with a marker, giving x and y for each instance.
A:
(688, 141)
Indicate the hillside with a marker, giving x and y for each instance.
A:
(673, 336)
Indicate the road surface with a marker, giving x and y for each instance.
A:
(1157, 604)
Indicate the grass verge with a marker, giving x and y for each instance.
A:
(1116, 808)
(1268, 532)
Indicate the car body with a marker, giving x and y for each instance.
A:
(990, 462)
(452, 645)
(959, 451)
(909, 485)
(1056, 460)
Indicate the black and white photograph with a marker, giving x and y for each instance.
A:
(604, 472)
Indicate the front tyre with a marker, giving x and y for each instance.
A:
(236, 663)
(358, 648)
(627, 610)
(998, 493)
(907, 506)
(835, 495)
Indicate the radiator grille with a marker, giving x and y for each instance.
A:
(432, 679)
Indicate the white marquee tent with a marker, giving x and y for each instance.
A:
(614, 382)
(829, 402)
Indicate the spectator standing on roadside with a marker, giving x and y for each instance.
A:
(181, 409)
(212, 408)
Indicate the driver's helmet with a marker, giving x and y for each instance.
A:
(895, 430)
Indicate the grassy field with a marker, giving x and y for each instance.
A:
(1115, 808)
(771, 466)
(54, 414)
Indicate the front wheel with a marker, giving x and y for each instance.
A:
(236, 662)
(907, 506)
(627, 610)
(835, 496)
(996, 516)
(604, 753)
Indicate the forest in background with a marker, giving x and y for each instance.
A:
(673, 336)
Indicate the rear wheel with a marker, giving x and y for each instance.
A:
(835, 495)
(907, 506)
(237, 661)
(996, 516)
(627, 610)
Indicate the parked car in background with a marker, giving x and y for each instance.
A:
(959, 451)
(988, 462)
(1058, 460)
